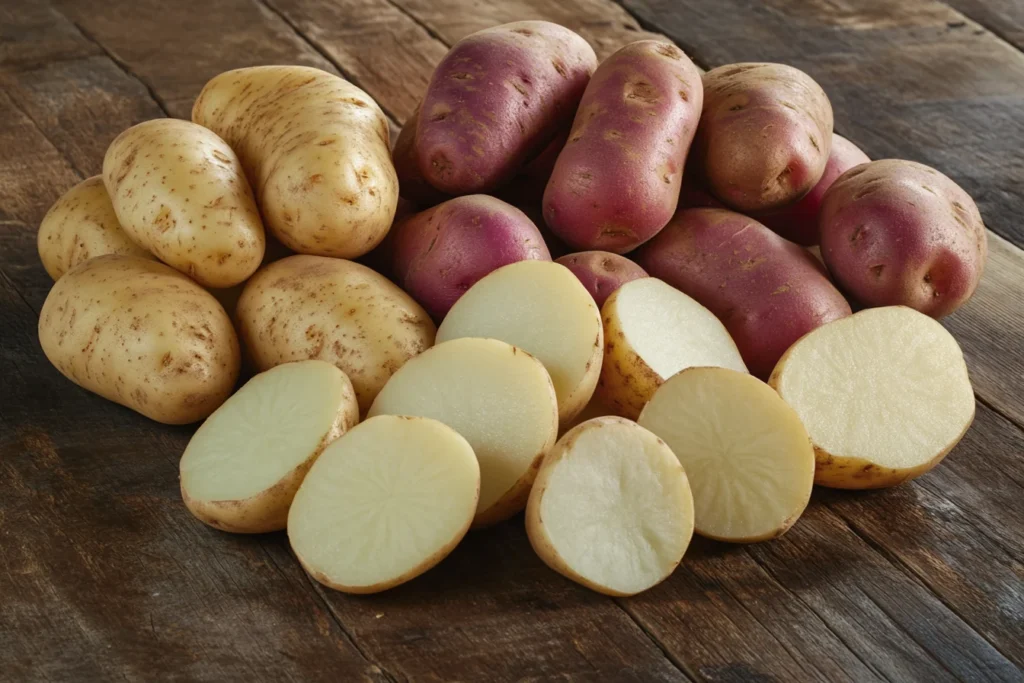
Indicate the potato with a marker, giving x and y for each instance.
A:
(884, 395)
(242, 468)
(768, 291)
(744, 450)
(496, 100)
(611, 508)
(411, 183)
(897, 232)
(652, 331)
(317, 152)
(384, 503)
(143, 335)
(765, 135)
(441, 252)
(305, 307)
(616, 183)
(498, 397)
(543, 309)
(82, 225)
(179, 191)
(601, 272)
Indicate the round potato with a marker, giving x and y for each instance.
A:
(601, 272)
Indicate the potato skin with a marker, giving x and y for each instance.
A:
(141, 334)
(441, 252)
(601, 272)
(768, 291)
(496, 100)
(746, 167)
(304, 307)
(179, 191)
(412, 186)
(317, 152)
(897, 232)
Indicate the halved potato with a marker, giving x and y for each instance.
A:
(884, 395)
(498, 397)
(747, 456)
(542, 308)
(244, 464)
(611, 508)
(652, 331)
(384, 503)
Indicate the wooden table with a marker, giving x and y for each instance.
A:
(104, 575)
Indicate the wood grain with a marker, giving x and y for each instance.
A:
(1005, 18)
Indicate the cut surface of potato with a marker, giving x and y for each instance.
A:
(542, 308)
(884, 395)
(242, 467)
(498, 397)
(747, 456)
(652, 331)
(384, 503)
(611, 508)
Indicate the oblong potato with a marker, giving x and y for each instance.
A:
(179, 191)
(141, 334)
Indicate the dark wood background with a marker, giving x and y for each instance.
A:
(105, 576)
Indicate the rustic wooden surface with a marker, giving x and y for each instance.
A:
(104, 575)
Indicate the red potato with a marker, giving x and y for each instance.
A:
(496, 100)
(441, 252)
(897, 232)
(616, 183)
(767, 291)
(412, 186)
(601, 272)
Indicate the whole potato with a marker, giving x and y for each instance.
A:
(601, 272)
(765, 135)
(496, 100)
(316, 149)
(314, 307)
(768, 291)
(897, 232)
(441, 252)
(141, 334)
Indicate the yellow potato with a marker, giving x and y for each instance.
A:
(143, 335)
(81, 225)
(179, 191)
(317, 151)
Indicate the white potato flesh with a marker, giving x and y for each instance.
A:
(542, 308)
(242, 467)
(384, 503)
(748, 457)
(884, 395)
(611, 507)
(498, 397)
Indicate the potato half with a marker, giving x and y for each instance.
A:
(884, 395)
(497, 396)
(747, 456)
(244, 464)
(652, 331)
(611, 508)
(384, 503)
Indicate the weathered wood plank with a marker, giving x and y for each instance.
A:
(1005, 18)
(32, 33)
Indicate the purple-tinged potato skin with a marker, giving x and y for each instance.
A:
(767, 291)
(899, 233)
(496, 100)
(441, 252)
(616, 182)
(412, 186)
(601, 272)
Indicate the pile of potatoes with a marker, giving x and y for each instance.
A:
(419, 366)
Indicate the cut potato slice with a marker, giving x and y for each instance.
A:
(652, 331)
(611, 508)
(542, 308)
(884, 395)
(498, 397)
(242, 467)
(384, 504)
(747, 456)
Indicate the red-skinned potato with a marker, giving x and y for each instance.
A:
(897, 232)
(768, 291)
(601, 272)
(412, 186)
(616, 182)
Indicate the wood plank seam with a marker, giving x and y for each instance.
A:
(77, 171)
(422, 24)
(678, 663)
(990, 29)
(985, 402)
